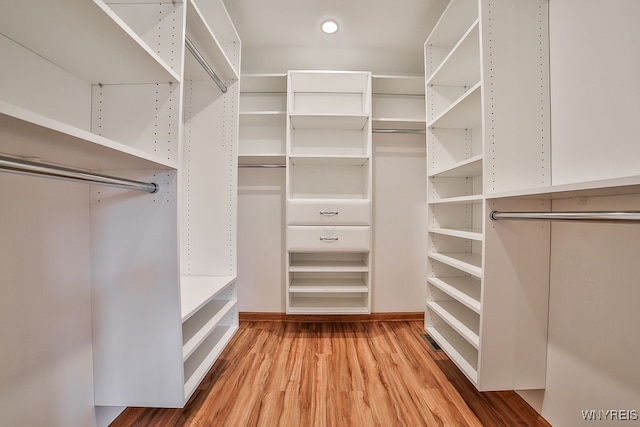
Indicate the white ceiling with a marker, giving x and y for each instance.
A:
(382, 36)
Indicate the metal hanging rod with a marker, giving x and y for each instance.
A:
(262, 166)
(203, 62)
(415, 131)
(25, 167)
(622, 216)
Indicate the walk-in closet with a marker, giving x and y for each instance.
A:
(284, 212)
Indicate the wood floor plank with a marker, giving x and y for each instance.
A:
(356, 374)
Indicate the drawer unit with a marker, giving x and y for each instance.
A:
(329, 238)
(329, 212)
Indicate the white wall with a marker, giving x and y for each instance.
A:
(399, 223)
(399, 230)
(261, 240)
(46, 374)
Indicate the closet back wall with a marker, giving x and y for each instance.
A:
(399, 221)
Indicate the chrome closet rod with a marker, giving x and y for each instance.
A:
(203, 62)
(620, 216)
(25, 167)
(416, 131)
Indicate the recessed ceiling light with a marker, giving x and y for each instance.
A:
(329, 26)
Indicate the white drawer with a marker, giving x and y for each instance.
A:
(329, 212)
(329, 238)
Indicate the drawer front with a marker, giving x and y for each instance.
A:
(329, 212)
(329, 238)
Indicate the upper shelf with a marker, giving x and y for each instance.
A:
(86, 38)
(30, 135)
(324, 121)
(264, 83)
(605, 187)
(210, 47)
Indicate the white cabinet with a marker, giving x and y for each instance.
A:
(328, 192)
(162, 265)
(487, 109)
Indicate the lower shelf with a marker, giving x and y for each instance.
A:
(458, 349)
(328, 303)
(201, 360)
(328, 285)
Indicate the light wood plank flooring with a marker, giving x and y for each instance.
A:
(336, 374)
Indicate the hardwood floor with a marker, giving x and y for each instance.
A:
(336, 374)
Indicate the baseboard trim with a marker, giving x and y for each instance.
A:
(331, 318)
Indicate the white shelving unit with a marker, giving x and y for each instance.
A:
(263, 105)
(398, 102)
(328, 191)
(163, 265)
(472, 141)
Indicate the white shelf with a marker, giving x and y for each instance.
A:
(328, 286)
(69, 33)
(399, 123)
(464, 113)
(462, 66)
(262, 159)
(397, 84)
(458, 349)
(263, 83)
(466, 290)
(328, 266)
(221, 27)
(456, 18)
(329, 121)
(465, 261)
(30, 135)
(606, 187)
(263, 118)
(474, 198)
(196, 291)
(467, 233)
(327, 305)
(204, 39)
(197, 332)
(197, 366)
(461, 319)
(471, 167)
(337, 160)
